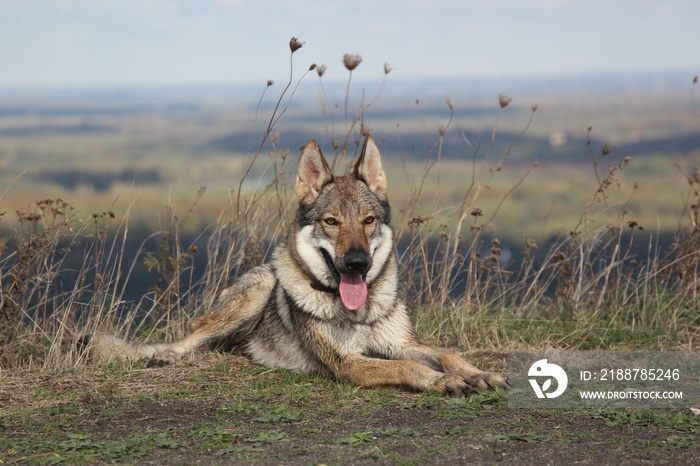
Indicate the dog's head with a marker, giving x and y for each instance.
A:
(344, 238)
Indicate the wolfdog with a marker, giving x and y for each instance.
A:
(328, 300)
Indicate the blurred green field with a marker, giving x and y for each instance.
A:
(136, 157)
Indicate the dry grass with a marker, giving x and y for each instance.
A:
(585, 291)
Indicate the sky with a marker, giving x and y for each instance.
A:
(117, 43)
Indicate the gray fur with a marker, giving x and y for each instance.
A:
(289, 313)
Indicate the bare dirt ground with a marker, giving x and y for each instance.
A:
(221, 409)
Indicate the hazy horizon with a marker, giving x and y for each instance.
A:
(395, 87)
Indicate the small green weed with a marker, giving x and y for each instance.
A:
(528, 438)
(281, 414)
(358, 437)
(271, 436)
(239, 406)
(83, 448)
(679, 421)
(424, 403)
(162, 440)
(63, 409)
(394, 431)
(679, 429)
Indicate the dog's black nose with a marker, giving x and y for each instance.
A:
(357, 261)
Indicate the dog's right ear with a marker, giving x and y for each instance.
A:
(313, 173)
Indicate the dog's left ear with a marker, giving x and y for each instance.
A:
(369, 169)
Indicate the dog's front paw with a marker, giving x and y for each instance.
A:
(162, 359)
(487, 381)
(452, 385)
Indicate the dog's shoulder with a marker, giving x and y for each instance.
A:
(260, 281)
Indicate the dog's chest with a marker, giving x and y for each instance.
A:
(380, 338)
(351, 339)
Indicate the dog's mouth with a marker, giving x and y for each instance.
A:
(353, 290)
(351, 287)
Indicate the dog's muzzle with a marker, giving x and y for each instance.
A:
(351, 277)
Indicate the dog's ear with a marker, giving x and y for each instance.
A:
(313, 173)
(369, 169)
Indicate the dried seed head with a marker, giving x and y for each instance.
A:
(270, 82)
(559, 257)
(321, 70)
(351, 61)
(387, 68)
(504, 100)
(415, 221)
(312, 67)
(531, 244)
(294, 44)
(534, 107)
(448, 101)
(606, 149)
(477, 212)
(335, 143)
(695, 80)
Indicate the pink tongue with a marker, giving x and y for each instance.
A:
(353, 291)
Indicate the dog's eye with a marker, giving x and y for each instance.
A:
(369, 220)
(330, 221)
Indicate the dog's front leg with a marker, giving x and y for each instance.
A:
(371, 372)
(451, 363)
(232, 319)
(323, 342)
